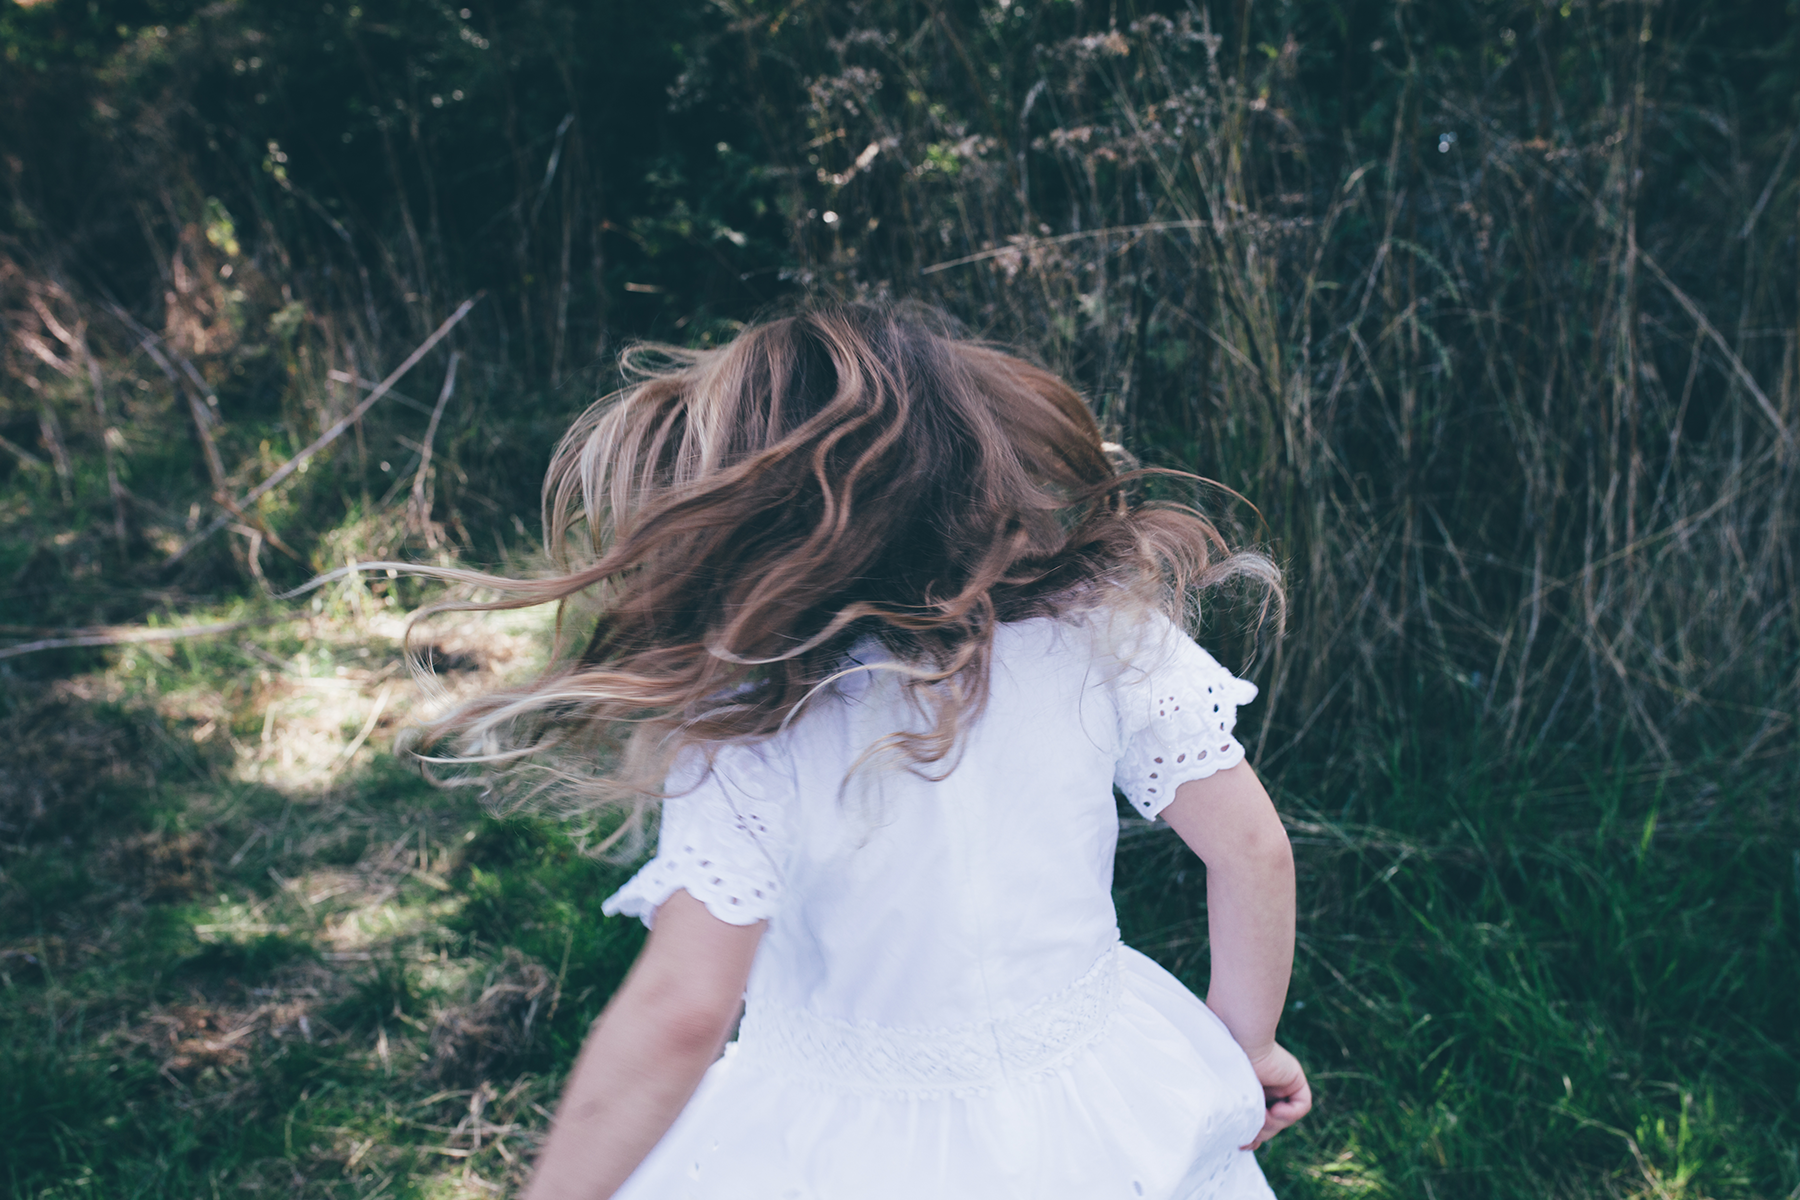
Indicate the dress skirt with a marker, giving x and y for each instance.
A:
(1125, 1086)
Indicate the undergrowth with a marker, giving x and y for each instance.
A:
(238, 957)
(236, 964)
(1513, 986)
(1488, 306)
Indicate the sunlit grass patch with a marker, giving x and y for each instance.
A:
(247, 950)
(312, 972)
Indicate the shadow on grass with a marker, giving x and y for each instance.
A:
(1510, 989)
(214, 984)
(344, 982)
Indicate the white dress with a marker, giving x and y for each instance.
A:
(940, 1007)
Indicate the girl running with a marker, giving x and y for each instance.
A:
(879, 635)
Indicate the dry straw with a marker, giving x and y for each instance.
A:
(1518, 472)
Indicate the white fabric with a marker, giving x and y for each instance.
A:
(1177, 707)
(939, 1006)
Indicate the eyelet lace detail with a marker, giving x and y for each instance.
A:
(959, 1060)
(1176, 715)
(723, 842)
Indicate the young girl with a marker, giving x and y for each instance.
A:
(881, 630)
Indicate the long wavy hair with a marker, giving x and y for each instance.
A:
(739, 517)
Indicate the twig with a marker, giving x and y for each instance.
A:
(255, 537)
(203, 421)
(59, 453)
(354, 415)
(330, 435)
(125, 635)
(398, 396)
(1737, 364)
(349, 752)
(1769, 187)
(1026, 244)
(561, 973)
(114, 488)
(215, 466)
(260, 526)
(421, 509)
(25, 456)
(203, 418)
(76, 341)
(147, 341)
(244, 849)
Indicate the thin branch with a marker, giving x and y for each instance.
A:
(330, 435)
(128, 635)
(198, 401)
(421, 508)
(1769, 187)
(114, 488)
(261, 528)
(203, 418)
(349, 752)
(25, 456)
(1027, 244)
(1737, 364)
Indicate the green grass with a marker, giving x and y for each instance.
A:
(1506, 987)
(231, 962)
(109, 1031)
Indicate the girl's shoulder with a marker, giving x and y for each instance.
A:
(1124, 650)
(1119, 643)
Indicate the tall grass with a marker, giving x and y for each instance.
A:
(1499, 995)
(1506, 360)
(1484, 317)
(1489, 309)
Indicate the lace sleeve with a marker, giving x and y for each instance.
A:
(1177, 708)
(720, 840)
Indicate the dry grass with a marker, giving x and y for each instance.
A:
(305, 920)
(1489, 309)
(1458, 365)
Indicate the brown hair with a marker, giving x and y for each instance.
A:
(751, 511)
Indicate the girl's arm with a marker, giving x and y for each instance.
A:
(1228, 820)
(647, 1052)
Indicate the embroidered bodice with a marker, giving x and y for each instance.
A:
(940, 1005)
(948, 908)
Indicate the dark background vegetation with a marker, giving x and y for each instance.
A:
(1491, 309)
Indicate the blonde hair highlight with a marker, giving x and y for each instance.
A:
(742, 515)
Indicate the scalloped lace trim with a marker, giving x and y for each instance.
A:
(723, 855)
(1185, 735)
(958, 1060)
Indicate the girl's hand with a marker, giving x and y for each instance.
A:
(1285, 1089)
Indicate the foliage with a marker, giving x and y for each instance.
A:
(1334, 258)
(1588, 1000)
(1436, 306)
(1489, 307)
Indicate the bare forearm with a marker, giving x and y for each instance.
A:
(629, 1085)
(1230, 823)
(1250, 923)
(646, 1054)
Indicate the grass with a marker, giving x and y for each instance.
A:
(233, 960)
(1510, 989)
(1484, 306)
(236, 963)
